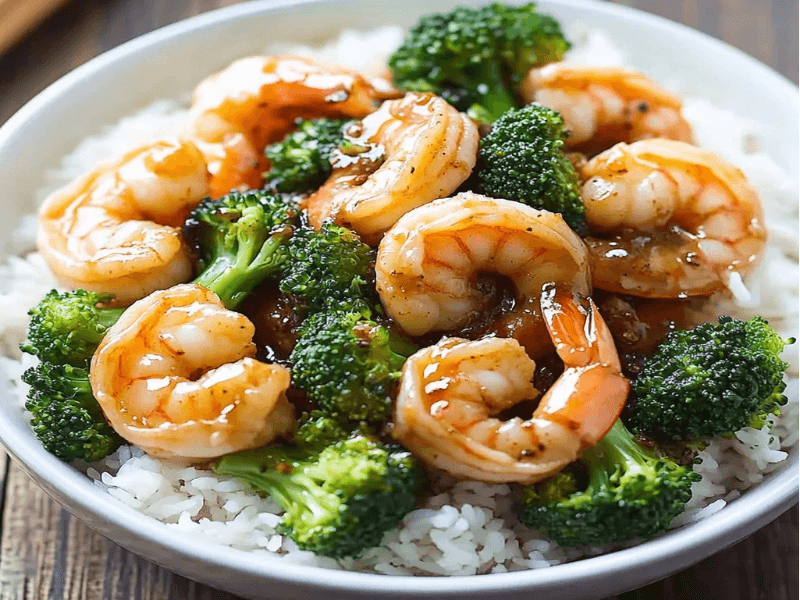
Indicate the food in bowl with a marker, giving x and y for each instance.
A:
(323, 296)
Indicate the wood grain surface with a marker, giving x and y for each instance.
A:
(47, 554)
(18, 17)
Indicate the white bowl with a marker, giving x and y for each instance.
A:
(169, 62)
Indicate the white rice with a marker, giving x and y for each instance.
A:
(465, 527)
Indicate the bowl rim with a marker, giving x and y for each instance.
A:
(654, 559)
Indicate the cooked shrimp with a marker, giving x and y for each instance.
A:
(255, 101)
(116, 229)
(605, 105)
(450, 395)
(175, 376)
(411, 151)
(430, 265)
(234, 164)
(670, 220)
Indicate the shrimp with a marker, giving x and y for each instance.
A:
(669, 220)
(116, 229)
(176, 377)
(430, 265)
(254, 101)
(450, 395)
(605, 105)
(409, 152)
(234, 164)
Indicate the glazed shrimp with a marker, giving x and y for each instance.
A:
(430, 264)
(254, 101)
(175, 376)
(669, 220)
(605, 105)
(411, 151)
(450, 395)
(116, 229)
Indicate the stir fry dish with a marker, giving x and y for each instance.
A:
(497, 266)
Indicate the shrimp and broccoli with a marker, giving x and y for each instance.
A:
(432, 245)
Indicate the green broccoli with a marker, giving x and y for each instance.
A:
(301, 161)
(709, 381)
(66, 417)
(345, 362)
(523, 159)
(328, 268)
(64, 331)
(625, 493)
(338, 501)
(241, 240)
(477, 56)
(348, 364)
(66, 328)
(318, 429)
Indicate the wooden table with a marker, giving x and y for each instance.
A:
(48, 554)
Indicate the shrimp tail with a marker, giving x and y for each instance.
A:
(584, 342)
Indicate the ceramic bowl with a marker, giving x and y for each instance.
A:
(168, 63)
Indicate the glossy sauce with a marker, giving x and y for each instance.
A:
(503, 315)
(275, 320)
(641, 324)
(624, 255)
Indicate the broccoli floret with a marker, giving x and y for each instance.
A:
(301, 161)
(318, 429)
(523, 159)
(66, 328)
(625, 493)
(328, 268)
(477, 56)
(66, 417)
(241, 240)
(709, 381)
(338, 501)
(64, 331)
(348, 364)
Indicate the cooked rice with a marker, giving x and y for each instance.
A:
(463, 527)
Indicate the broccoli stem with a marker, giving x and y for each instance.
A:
(497, 99)
(400, 349)
(287, 489)
(82, 385)
(304, 491)
(618, 447)
(291, 483)
(630, 493)
(233, 278)
(105, 318)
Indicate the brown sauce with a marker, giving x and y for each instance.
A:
(276, 322)
(503, 315)
(639, 325)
